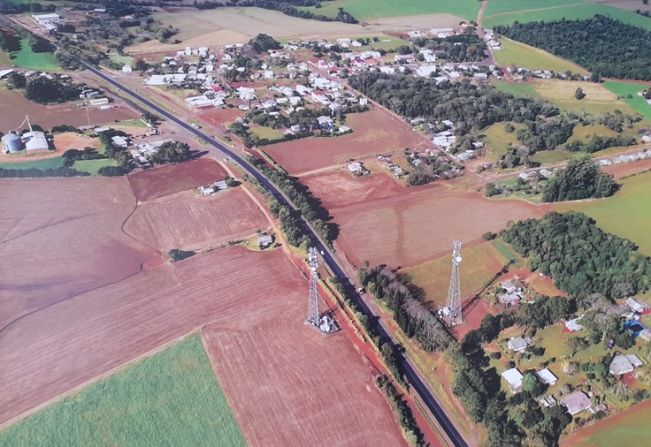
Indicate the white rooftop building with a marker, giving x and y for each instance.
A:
(514, 378)
(547, 377)
(517, 344)
(624, 364)
(576, 402)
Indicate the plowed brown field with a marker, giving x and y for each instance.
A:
(288, 385)
(341, 188)
(374, 132)
(301, 386)
(188, 221)
(409, 229)
(159, 182)
(60, 237)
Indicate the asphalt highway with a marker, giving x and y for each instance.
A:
(412, 377)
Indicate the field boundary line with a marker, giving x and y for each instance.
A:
(520, 11)
(9, 422)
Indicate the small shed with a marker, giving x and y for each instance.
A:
(514, 378)
(573, 325)
(517, 344)
(576, 402)
(547, 377)
(265, 240)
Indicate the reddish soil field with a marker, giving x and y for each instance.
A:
(159, 182)
(626, 169)
(374, 132)
(341, 188)
(288, 385)
(189, 221)
(61, 237)
(411, 228)
(258, 328)
(54, 115)
(473, 313)
(220, 117)
(71, 140)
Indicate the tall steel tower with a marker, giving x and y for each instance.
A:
(454, 316)
(313, 306)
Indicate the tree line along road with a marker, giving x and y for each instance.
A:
(412, 377)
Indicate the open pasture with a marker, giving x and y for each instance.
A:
(369, 10)
(412, 228)
(505, 12)
(626, 214)
(49, 116)
(62, 237)
(72, 140)
(628, 92)
(374, 132)
(254, 306)
(340, 188)
(232, 25)
(481, 262)
(523, 55)
(598, 99)
(171, 397)
(159, 182)
(26, 58)
(188, 221)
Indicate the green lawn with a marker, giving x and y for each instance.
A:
(170, 399)
(523, 55)
(48, 163)
(626, 214)
(505, 12)
(628, 92)
(551, 157)
(266, 132)
(92, 166)
(374, 9)
(26, 58)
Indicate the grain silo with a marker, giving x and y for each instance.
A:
(11, 143)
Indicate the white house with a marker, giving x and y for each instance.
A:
(514, 378)
(624, 364)
(547, 377)
(517, 344)
(576, 402)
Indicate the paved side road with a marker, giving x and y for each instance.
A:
(411, 375)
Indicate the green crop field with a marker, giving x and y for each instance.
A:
(597, 100)
(505, 12)
(628, 92)
(626, 214)
(523, 55)
(374, 9)
(48, 163)
(26, 58)
(169, 399)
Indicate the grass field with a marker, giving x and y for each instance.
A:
(266, 132)
(373, 9)
(171, 398)
(505, 12)
(598, 99)
(626, 214)
(551, 157)
(480, 263)
(48, 163)
(26, 58)
(92, 166)
(517, 88)
(523, 55)
(497, 139)
(5, 59)
(628, 92)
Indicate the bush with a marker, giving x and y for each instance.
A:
(179, 255)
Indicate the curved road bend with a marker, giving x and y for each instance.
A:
(411, 375)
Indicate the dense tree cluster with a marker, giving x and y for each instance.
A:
(466, 47)
(545, 134)
(18, 7)
(598, 143)
(580, 179)
(9, 41)
(601, 44)
(44, 90)
(72, 155)
(580, 257)
(264, 42)
(309, 205)
(413, 317)
(171, 152)
(431, 167)
(33, 172)
(178, 255)
(469, 106)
